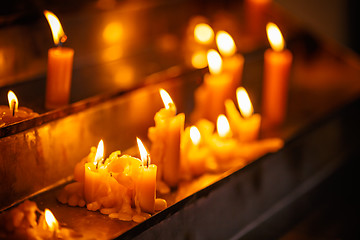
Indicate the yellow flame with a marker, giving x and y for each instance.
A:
(51, 220)
(244, 102)
(143, 153)
(203, 33)
(275, 37)
(223, 126)
(198, 59)
(13, 101)
(225, 43)
(99, 152)
(214, 61)
(55, 26)
(166, 98)
(195, 135)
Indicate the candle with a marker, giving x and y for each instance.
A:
(222, 143)
(214, 90)
(277, 64)
(165, 138)
(146, 184)
(95, 177)
(13, 113)
(233, 63)
(60, 61)
(249, 126)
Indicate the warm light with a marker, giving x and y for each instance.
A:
(198, 60)
(166, 98)
(99, 152)
(13, 102)
(195, 135)
(223, 126)
(113, 32)
(203, 33)
(51, 220)
(225, 43)
(275, 37)
(55, 26)
(143, 153)
(214, 61)
(244, 102)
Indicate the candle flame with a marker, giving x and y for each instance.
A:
(195, 135)
(225, 43)
(244, 102)
(13, 101)
(275, 37)
(51, 220)
(99, 152)
(203, 33)
(166, 98)
(223, 126)
(56, 28)
(214, 61)
(143, 153)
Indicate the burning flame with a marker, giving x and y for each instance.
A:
(244, 102)
(223, 126)
(51, 220)
(203, 33)
(143, 153)
(13, 102)
(275, 37)
(214, 61)
(56, 28)
(99, 152)
(225, 43)
(166, 98)
(195, 135)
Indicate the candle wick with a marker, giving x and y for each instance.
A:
(13, 110)
(147, 160)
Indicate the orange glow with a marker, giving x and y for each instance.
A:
(99, 152)
(225, 43)
(244, 102)
(214, 61)
(223, 126)
(198, 59)
(56, 28)
(166, 98)
(143, 153)
(51, 220)
(13, 101)
(195, 135)
(113, 32)
(275, 37)
(203, 33)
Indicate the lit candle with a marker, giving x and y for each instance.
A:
(146, 184)
(222, 143)
(13, 113)
(277, 64)
(203, 34)
(60, 61)
(211, 95)
(52, 223)
(233, 63)
(165, 138)
(95, 176)
(249, 126)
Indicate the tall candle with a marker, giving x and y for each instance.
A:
(233, 63)
(165, 138)
(146, 184)
(277, 64)
(211, 95)
(60, 62)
